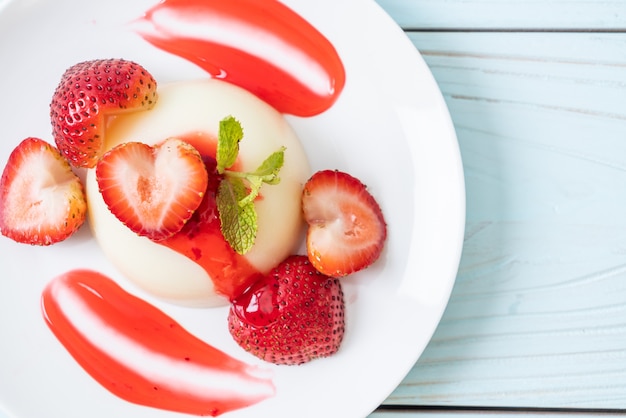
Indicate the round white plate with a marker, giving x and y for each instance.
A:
(390, 128)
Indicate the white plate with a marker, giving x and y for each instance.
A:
(390, 128)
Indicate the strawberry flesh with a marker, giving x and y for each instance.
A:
(291, 316)
(154, 191)
(346, 228)
(89, 91)
(42, 201)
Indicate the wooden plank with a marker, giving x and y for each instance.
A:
(508, 14)
(442, 413)
(557, 99)
(538, 313)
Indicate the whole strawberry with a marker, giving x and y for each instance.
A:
(89, 91)
(291, 316)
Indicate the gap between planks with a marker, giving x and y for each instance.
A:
(503, 410)
(517, 30)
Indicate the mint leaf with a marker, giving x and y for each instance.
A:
(269, 169)
(228, 137)
(239, 222)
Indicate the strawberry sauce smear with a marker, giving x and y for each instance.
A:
(142, 355)
(260, 45)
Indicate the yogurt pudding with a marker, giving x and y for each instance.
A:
(195, 269)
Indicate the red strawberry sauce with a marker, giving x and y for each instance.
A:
(142, 355)
(201, 239)
(260, 45)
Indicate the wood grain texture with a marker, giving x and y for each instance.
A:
(524, 15)
(537, 317)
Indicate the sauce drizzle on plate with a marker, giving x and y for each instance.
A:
(261, 46)
(141, 354)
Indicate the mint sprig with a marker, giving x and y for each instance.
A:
(238, 190)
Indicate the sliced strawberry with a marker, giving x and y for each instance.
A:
(291, 316)
(88, 92)
(42, 201)
(346, 230)
(152, 190)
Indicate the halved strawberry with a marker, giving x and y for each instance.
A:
(291, 316)
(89, 91)
(347, 229)
(42, 201)
(152, 190)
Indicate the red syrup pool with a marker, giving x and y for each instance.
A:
(140, 354)
(201, 239)
(261, 46)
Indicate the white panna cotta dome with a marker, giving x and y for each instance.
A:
(190, 107)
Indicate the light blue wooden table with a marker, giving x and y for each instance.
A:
(537, 318)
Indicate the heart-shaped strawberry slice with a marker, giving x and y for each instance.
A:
(347, 230)
(152, 190)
